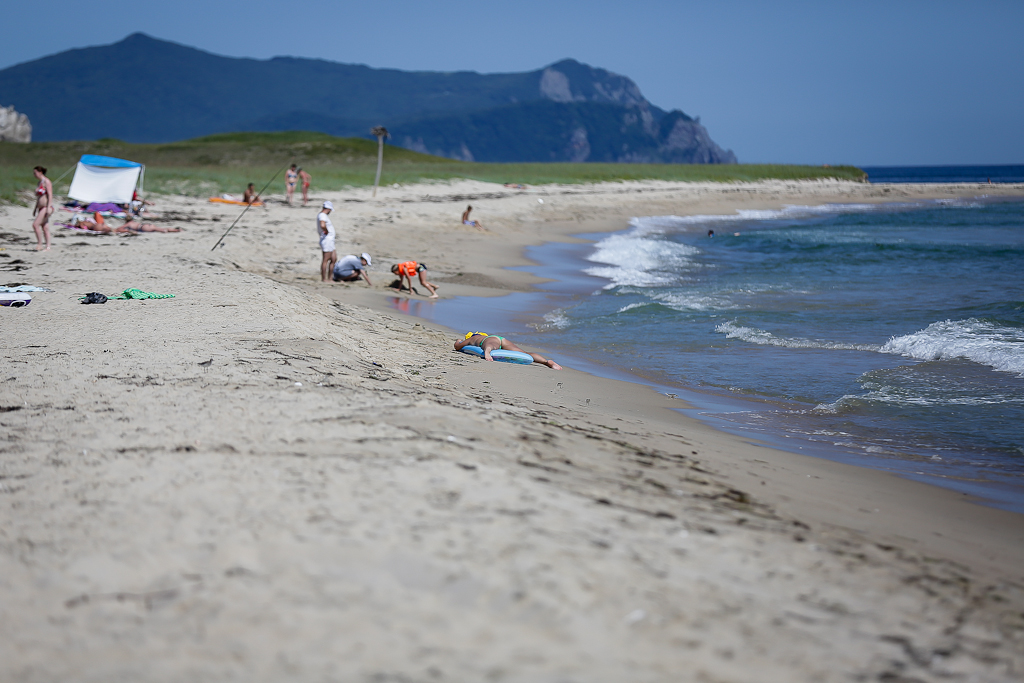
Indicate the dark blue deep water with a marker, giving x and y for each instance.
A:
(888, 336)
(945, 174)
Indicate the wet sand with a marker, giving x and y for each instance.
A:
(268, 478)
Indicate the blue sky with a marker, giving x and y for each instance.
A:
(868, 83)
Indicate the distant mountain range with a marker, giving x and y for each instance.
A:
(147, 90)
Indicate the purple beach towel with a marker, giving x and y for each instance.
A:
(96, 206)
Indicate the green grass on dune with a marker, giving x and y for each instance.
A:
(227, 162)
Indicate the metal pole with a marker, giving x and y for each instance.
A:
(381, 132)
(247, 207)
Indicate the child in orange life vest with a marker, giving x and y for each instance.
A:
(406, 271)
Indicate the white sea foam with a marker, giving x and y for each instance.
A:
(897, 397)
(959, 203)
(689, 301)
(556, 319)
(630, 260)
(661, 224)
(998, 347)
(901, 397)
(1001, 348)
(639, 257)
(755, 336)
(630, 307)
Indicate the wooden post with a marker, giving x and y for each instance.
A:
(381, 132)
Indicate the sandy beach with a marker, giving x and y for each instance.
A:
(271, 478)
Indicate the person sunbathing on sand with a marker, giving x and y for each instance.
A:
(135, 226)
(491, 342)
(98, 224)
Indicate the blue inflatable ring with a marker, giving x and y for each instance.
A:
(500, 355)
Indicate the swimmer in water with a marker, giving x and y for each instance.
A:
(490, 343)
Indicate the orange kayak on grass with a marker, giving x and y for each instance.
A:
(237, 202)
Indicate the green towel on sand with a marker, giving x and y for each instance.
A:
(133, 293)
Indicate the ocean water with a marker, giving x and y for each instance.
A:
(945, 174)
(887, 336)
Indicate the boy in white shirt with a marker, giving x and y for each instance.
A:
(325, 229)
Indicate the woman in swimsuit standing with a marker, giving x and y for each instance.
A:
(291, 177)
(492, 342)
(305, 185)
(44, 207)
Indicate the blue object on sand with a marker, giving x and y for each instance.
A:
(500, 355)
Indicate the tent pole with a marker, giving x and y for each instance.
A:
(54, 184)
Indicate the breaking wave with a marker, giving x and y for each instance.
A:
(755, 336)
(996, 346)
(628, 260)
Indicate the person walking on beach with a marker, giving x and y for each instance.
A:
(325, 230)
(44, 208)
(492, 342)
(291, 176)
(406, 271)
(350, 268)
(305, 177)
(467, 221)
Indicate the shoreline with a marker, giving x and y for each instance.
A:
(557, 267)
(918, 502)
(290, 479)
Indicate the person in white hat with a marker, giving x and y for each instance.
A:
(325, 229)
(351, 267)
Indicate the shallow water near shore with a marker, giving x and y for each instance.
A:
(885, 336)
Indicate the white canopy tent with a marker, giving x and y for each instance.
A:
(106, 179)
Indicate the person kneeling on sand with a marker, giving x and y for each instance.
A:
(406, 270)
(492, 342)
(350, 268)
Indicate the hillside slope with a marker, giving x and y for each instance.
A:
(157, 91)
